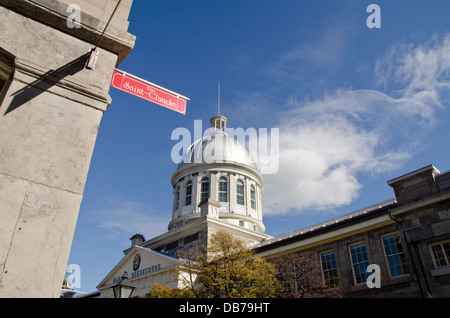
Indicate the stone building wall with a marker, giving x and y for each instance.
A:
(50, 112)
(419, 218)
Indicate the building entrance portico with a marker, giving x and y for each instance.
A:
(143, 267)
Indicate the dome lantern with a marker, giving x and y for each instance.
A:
(218, 124)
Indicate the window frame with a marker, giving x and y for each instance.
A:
(403, 265)
(204, 197)
(253, 204)
(221, 191)
(190, 238)
(446, 257)
(362, 274)
(334, 281)
(240, 196)
(188, 195)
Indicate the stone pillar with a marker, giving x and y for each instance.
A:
(49, 118)
(195, 190)
(232, 192)
(247, 202)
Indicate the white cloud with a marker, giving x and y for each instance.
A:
(423, 70)
(121, 216)
(325, 144)
(321, 153)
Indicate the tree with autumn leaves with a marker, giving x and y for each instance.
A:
(229, 269)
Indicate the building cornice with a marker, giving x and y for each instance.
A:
(421, 204)
(55, 15)
(350, 224)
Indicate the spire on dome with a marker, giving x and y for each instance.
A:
(218, 122)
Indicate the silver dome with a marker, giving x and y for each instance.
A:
(218, 147)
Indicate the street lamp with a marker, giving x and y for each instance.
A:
(123, 288)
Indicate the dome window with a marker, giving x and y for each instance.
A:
(188, 200)
(253, 197)
(204, 193)
(240, 192)
(223, 189)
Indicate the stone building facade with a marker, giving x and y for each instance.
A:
(51, 104)
(408, 238)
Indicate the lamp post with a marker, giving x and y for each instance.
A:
(123, 288)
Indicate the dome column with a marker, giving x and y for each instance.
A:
(232, 192)
(195, 186)
(175, 209)
(247, 199)
(259, 202)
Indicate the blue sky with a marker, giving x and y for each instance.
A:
(355, 107)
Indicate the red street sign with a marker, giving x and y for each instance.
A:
(149, 91)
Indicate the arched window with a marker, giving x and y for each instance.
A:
(188, 200)
(253, 197)
(240, 192)
(204, 189)
(223, 189)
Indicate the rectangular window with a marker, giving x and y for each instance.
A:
(188, 194)
(253, 198)
(171, 247)
(395, 255)
(329, 271)
(358, 253)
(441, 254)
(240, 192)
(241, 223)
(204, 193)
(223, 190)
(190, 238)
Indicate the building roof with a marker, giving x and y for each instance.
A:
(342, 221)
